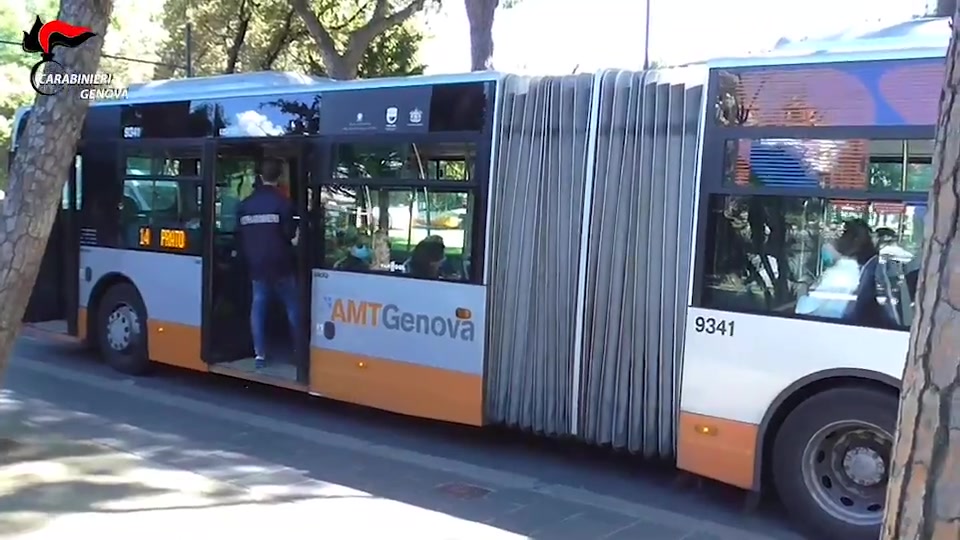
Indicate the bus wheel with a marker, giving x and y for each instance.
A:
(121, 330)
(832, 459)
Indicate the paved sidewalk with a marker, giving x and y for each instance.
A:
(68, 474)
(52, 488)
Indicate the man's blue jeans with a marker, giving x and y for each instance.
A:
(285, 289)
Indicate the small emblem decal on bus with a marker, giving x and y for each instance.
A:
(329, 330)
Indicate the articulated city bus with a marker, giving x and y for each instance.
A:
(657, 262)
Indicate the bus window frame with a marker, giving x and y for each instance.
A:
(187, 148)
(711, 181)
(478, 185)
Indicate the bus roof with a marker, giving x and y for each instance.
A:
(925, 37)
(271, 83)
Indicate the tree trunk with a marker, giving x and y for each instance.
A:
(923, 496)
(40, 170)
(338, 68)
(480, 14)
(945, 8)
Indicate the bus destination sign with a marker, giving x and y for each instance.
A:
(175, 239)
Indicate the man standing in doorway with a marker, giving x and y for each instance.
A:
(267, 233)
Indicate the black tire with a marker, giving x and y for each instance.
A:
(821, 508)
(133, 358)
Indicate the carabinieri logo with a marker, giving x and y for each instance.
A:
(48, 76)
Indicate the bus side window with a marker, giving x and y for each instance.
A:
(234, 183)
(780, 255)
(381, 230)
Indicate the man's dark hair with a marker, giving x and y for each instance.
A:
(271, 170)
(430, 250)
(855, 241)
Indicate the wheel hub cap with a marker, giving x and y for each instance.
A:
(122, 324)
(864, 466)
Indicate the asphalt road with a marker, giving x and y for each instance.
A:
(45, 371)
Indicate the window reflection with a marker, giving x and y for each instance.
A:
(855, 164)
(789, 255)
(919, 175)
(458, 107)
(884, 93)
(235, 182)
(448, 162)
(21, 127)
(413, 232)
(269, 116)
(162, 166)
(203, 118)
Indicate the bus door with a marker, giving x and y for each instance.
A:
(228, 342)
(54, 299)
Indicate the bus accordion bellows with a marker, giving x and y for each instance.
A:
(712, 263)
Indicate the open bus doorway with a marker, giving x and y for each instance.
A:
(53, 300)
(228, 288)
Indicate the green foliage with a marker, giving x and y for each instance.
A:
(272, 37)
(135, 32)
(15, 17)
(394, 53)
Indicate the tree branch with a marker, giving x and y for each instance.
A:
(379, 22)
(328, 47)
(352, 19)
(344, 65)
(233, 53)
(280, 40)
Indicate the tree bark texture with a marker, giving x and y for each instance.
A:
(945, 8)
(923, 496)
(345, 65)
(480, 15)
(40, 169)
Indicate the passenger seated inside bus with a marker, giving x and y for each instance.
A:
(852, 279)
(427, 258)
(355, 251)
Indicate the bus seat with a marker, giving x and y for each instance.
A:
(867, 309)
(891, 303)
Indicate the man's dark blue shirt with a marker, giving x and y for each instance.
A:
(265, 227)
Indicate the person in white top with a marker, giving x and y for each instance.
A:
(847, 287)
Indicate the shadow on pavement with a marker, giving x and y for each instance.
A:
(242, 465)
(46, 477)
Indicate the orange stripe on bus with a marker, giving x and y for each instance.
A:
(82, 324)
(724, 450)
(175, 344)
(410, 389)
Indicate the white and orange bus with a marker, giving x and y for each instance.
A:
(637, 260)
